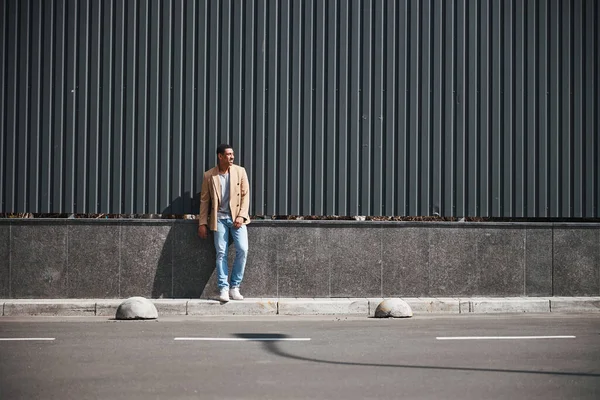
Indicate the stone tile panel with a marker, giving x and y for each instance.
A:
(93, 260)
(355, 259)
(576, 262)
(193, 260)
(538, 262)
(4, 261)
(147, 260)
(303, 262)
(39, 260)
(453, 264)
(501, 261)
(405, 256)
(260, 276)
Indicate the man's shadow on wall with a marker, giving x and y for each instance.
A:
(186, 267)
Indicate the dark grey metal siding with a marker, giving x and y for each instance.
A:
(450, 107)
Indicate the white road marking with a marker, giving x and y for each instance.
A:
(502, 337)
(26, 339)
(265, 339)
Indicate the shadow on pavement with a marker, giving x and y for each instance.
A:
(273, 347)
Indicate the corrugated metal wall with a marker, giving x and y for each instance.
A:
(363, 107)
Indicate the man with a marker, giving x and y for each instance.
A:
(226, 197)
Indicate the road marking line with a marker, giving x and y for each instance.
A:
(274, 339)
(502, 337)
(24, 339)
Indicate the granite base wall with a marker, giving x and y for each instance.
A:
(84, 258)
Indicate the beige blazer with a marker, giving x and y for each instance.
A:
(210, 197)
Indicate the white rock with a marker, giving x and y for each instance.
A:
(137, 308)
(395, 308)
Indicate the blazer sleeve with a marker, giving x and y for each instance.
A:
(244, 194)
(204, 202)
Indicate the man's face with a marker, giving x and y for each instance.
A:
(226, 159)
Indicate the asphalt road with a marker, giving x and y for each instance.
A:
(321, 358)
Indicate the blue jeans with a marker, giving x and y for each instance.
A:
(240, 241)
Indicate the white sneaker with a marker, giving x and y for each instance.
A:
(224, 295)
(235, 293)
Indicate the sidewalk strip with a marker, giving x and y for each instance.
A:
(266, 339)
(503, 337)
(25, 339)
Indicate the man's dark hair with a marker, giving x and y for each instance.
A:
(222, 147)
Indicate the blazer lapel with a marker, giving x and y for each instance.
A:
(217, 184)
(233, 179)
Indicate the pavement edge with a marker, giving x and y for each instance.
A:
(304, 306)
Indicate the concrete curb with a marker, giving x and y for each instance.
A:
(304, 306)
(67, 308)
(575, 304)
(432, 305)
(345, 306)
(244, 307)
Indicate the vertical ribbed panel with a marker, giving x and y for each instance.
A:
(358, 107)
